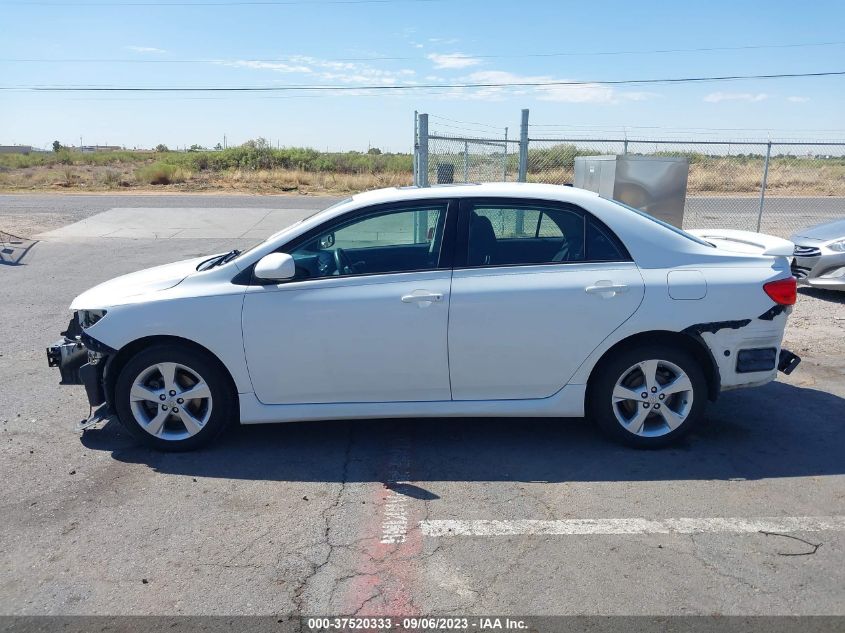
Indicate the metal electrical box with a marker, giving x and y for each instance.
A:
(656, 185)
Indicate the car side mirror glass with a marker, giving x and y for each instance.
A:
(327, 240)
(275, 267)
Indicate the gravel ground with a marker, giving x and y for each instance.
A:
(816, 332)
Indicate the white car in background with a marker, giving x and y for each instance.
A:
(472, 300)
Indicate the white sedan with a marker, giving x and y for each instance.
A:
(475, 300)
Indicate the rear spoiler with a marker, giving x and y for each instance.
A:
(746, 242)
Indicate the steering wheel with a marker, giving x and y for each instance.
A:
(341, 262)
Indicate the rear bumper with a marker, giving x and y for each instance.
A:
(79, 365)
(748, 353)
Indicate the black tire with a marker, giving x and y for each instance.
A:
(223, 404)
(602, 409)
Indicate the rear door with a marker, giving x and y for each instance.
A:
(536, 287)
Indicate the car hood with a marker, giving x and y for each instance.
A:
(823, 232)
(122, 289)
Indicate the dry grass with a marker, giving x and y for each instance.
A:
(714, 177)
(787, 178)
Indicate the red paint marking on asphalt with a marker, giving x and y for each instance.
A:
(383, 586)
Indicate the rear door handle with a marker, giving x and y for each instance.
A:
(422, 296)
(606, 289)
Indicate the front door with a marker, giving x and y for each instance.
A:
(364, 320)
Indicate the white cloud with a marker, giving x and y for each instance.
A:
(345, 72)
(145, 49)
(716, 97)
(798, 99)
(576, 93)
(259, 65)
(453, 60)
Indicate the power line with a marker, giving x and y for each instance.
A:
(299, 58)
(510, 84)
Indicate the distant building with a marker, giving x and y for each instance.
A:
(100, 148)
(15, 149)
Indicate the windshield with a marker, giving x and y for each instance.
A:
(672, 228)
(310, 215)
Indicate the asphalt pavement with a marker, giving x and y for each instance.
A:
(782, 214)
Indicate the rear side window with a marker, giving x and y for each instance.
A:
(524, 234)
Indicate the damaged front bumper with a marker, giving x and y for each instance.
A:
(81, 360)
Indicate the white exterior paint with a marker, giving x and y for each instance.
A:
(353, 339)
(511, 328)
(503, 341)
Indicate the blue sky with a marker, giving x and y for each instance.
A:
(444, 41)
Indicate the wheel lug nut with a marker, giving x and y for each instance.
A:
(176, 409)
(656, 406)
(180, 400)
(172, 393)
(654, 390)
(164, 407)
(645, 405)
(644, 394)
(162, 397)
(662, 396)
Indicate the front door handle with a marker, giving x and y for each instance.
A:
(606, 289)
(422, 296)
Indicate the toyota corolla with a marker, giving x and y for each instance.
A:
(475, 300)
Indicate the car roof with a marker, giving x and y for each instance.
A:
(487, 189)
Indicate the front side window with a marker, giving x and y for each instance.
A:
(502, 235)
(398, 240)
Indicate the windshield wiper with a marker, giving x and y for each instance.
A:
(218, 260)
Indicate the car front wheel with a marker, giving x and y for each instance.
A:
(174, 398)
(648, 396)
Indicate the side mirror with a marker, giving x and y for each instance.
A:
(275, 267)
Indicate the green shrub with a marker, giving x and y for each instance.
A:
(160, 174)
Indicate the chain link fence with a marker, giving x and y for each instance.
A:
(785, 186)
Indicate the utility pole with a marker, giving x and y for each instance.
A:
(523, 147)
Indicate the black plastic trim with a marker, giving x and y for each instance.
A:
(787, 361)
(715, 326)
(96, 346)
(91, 376)
(757, 359)
(771, 313)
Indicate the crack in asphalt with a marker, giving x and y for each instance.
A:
(327, 515)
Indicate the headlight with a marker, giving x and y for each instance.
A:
(87, 318)
(838, 246)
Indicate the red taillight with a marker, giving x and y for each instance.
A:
(782, 291)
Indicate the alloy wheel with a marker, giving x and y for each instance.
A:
(170, 401)
(652, 398)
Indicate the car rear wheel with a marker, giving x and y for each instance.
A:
(648, 396)
(174, 398)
